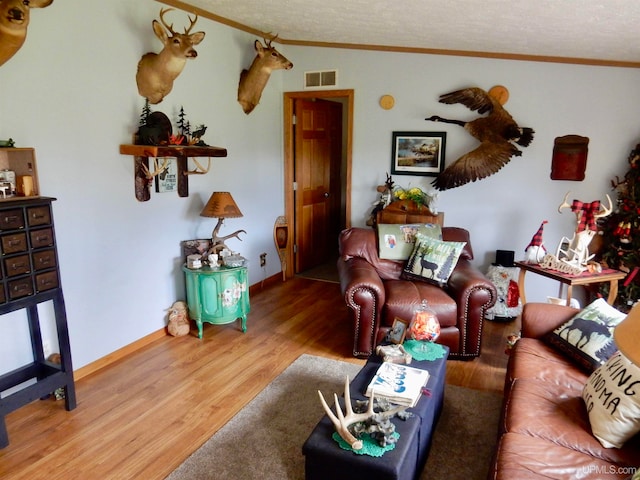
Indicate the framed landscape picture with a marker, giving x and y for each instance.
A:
(418, 153)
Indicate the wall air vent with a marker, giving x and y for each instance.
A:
(321, 79)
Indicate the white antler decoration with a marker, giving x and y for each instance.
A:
(157, 168)
(342, 422)
(199, 170)
(574, 251)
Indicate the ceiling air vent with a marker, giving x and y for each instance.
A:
(321, 79)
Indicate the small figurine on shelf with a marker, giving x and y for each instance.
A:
(424, 325)
(213, 260)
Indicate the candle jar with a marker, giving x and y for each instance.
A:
(424, 325)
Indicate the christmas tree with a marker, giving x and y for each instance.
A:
(621, 234)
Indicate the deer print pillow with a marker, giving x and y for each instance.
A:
(588, 337)
(432, 260)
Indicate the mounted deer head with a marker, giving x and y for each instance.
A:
(253, 81)
(14, 20)
(157, 71)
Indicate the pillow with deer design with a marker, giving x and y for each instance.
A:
(587, 338)
(432, 260)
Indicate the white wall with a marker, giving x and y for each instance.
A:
(505, 210)
(70, 93)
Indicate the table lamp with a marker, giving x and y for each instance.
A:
(627, 335)
(221, 205)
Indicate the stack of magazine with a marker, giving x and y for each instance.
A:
(398, 384)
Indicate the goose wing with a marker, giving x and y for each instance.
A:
(474, 98)
(482, 162)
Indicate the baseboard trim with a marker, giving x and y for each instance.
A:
(257, 287)
(152, 337)
(118, 354)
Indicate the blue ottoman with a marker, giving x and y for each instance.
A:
(324, 459)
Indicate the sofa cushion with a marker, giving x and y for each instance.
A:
(588, 337)
(403, 297)
(612, 396)
(432, 260)
(523, 457)
(558, 415)
(397, 240)
(534, 359)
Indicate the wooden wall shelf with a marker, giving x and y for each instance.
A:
(179, 152)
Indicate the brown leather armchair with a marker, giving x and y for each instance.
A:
(376, 294)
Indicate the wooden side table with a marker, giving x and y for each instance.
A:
(217, 295)
(607, 275)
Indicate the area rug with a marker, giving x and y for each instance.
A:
(264, 440)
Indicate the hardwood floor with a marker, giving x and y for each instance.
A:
(142, 416)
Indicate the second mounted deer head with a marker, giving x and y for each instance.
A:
(253, 81)
(157, 71)
(14, 20)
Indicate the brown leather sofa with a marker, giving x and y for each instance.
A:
(545, 431)
(376, 294)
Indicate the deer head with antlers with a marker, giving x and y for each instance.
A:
(14, 20)
(253, 81)
(157, 71)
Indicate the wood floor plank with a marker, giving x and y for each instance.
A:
(143, 415)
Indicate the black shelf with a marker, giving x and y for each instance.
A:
(35, 280)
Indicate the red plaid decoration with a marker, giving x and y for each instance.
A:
(587, 219)
(536, 240)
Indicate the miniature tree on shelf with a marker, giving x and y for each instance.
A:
(621, 234)
(144, 115)
(183, 124)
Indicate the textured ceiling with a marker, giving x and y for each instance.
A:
(599, 30)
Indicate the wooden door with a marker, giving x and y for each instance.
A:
(317, 163)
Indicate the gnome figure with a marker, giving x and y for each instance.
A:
(535, 251)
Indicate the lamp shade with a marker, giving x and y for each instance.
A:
(221, 205)
(627, 335)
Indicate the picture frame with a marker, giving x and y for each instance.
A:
(398, 330)
(418, 153)
(199, 246)
(167, 181)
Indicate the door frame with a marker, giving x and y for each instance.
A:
(289, 156)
